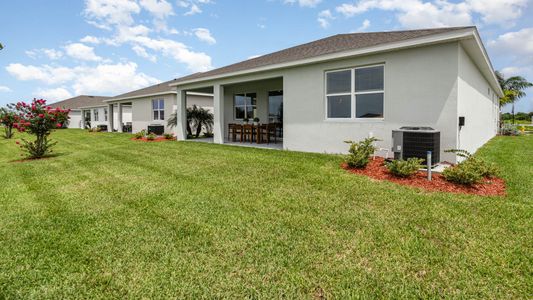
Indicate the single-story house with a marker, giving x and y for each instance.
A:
(151, 107)
(89, 111)
(351, 86)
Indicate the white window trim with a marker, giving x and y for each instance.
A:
(353, 93)
(158, 109)
(96, 115)
(245, 106)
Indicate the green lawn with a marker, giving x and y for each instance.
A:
(113, 218)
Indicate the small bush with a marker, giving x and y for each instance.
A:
(471, 170)
(404, 168)
(462, 173)
(360, 152)
(168, 136)
(509, 129)
(151, 137)
(139, 135)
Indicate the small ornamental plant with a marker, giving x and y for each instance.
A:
(168, 136)
(360, 152)
(8, 118)
(404, 168)
(471, 170)
(139, 135)
(151, 137)
(38, 120)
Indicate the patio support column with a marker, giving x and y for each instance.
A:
(119, 120)
(218, 101)
(110, 116)
(181, 115)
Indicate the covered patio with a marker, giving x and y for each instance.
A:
(245, 113)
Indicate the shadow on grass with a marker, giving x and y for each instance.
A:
(27, 159)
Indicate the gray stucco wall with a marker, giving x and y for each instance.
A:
(477, 103)
(142, 114)
(420, 89)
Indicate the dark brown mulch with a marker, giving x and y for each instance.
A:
(377, 170)
(157, 139)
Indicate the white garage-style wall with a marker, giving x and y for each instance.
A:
(75, 120)
(478, 103)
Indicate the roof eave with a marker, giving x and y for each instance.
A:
(416, 42)
(140, 96)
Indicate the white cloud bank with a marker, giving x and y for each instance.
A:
(81, 52)
(204, 35)
(104, 79)
(439, 13)
(52, 95)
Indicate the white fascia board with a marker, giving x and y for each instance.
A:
(141, 96)
(423, 41)
(199, 94)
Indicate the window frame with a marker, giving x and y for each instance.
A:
(96, 114)
(105, 115)
(245, 94)
(158, 110)
(353, 95)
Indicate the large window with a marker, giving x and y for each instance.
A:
(275, 106)
(95, 114)
(105, 114)
(355, 93)
(245, 106)
(158, 109)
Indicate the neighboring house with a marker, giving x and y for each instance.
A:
(151, 106)
(76, 104)
(90, 111)
(351, 86)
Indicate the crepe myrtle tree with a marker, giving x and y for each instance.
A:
(39, 120)
(8, 118)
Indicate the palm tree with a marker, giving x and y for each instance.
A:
(197, 117)
(1, 46)
(513, 88)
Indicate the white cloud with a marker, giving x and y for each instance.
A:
(193, 6)
(364, 26)
(45, 73)
(517, 43)
(52, 95)
(204, 35)
(439, 13)
(324, 17)
(90, 40)
(143, 53)
(159, 8)
(4, 89)
(81, 52)
(50, 53)
(304, 3)
(105, 13)
(110, 79)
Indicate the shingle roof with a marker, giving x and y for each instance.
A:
(329, 45)
(154, 89)
(80, 101)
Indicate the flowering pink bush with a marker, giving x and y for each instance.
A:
(8, 118)
(38, 119)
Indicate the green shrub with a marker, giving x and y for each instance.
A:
(151, 137)
(360, 152)
(462, 173)
(139, 135)
(471, 170)
(404, 168)
(168, 136)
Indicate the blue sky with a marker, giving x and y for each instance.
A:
(57, 49)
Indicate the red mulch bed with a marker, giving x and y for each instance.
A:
(157, 139)
(377, 170)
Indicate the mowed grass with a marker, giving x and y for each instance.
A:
(113, 218)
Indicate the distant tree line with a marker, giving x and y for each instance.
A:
(519, 116)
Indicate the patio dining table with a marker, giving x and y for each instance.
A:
(252, 132)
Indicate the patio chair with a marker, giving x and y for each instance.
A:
(233, 131)
(247, 133)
